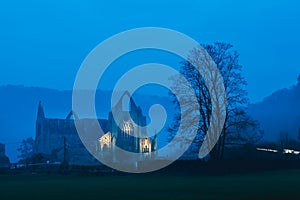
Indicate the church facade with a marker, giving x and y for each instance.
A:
(59, 138)
(125, 129)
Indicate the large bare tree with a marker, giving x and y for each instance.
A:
(239, 127)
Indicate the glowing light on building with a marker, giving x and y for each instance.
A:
(105, 141)
(290, 151)
(285, 151)
(127, 127)
(145, 145)
(296, 152)
(268, 150)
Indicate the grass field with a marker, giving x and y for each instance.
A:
(267, 185)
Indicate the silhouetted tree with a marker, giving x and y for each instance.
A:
(26, 149)
(239, 127)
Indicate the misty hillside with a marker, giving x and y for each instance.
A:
(18, 109)
(279, 112)
(18, 104)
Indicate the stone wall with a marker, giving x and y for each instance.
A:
(50, 136)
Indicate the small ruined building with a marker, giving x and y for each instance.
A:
(4, 160)
(59, 138)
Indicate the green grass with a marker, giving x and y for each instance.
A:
(269, 185)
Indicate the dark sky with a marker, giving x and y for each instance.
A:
(44, 42)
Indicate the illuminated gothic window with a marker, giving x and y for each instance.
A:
(127, 127)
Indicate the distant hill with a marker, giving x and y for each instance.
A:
(279, 112)
(18, 109)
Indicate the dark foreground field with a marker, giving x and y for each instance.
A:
(262, 185)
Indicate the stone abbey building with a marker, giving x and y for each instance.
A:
(58, 138)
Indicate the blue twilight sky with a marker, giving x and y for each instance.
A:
(44, 42)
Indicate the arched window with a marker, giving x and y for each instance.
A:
(127, 128)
